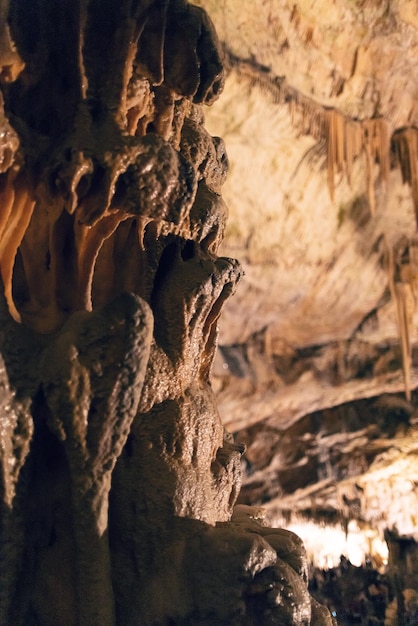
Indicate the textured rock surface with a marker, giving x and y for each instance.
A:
(319, 114)
(118, 478)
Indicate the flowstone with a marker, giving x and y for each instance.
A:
(118, 479)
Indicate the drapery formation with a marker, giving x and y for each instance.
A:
(344, 140)
(118, 479)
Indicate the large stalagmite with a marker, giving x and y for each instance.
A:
(118, 480)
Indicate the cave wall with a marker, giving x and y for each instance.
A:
(118, 477)
(319, 113)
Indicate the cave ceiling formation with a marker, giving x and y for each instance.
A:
(318, 358)
(118, 479)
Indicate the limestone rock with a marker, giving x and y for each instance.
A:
(319, 114)
(118, 477)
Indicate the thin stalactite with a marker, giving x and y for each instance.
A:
(405, 146)
(346, 138)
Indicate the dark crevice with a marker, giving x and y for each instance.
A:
(166, 262)
(188, 250)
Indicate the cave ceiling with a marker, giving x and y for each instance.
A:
(317, 360)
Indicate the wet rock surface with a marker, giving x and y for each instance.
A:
(118, 477)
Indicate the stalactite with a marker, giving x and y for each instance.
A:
(117, 477)
(18, 207)
(402, 281)
(405, 312)
(405, 144)
(347, 139)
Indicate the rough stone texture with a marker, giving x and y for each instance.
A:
(319, 114)
(118, 478)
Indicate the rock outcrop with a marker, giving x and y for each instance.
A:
(118, 478)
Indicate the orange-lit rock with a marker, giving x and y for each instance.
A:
(118, 477)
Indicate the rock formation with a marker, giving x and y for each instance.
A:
(319, 377)
(118, 478)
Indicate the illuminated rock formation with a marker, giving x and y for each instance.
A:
(319, 377)
(118, 479)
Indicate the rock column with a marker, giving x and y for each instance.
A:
(118, 478)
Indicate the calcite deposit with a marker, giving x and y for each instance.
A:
(318, 378)
(118, 478)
